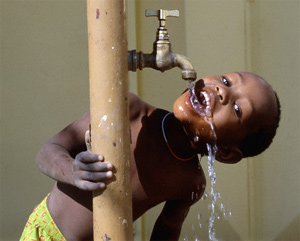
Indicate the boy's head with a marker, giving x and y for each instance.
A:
(242, 108)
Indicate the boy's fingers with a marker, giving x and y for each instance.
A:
(89, 186)
(97, 176)
(86, 157)
(96, 167)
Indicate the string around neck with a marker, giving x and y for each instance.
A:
(168, 145)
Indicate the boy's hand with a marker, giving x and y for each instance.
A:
(90, 172)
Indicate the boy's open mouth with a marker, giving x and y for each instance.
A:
(201, 99)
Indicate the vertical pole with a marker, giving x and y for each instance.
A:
(110, 132)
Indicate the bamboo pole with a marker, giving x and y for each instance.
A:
(110, 132)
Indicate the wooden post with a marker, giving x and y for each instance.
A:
(110, 131)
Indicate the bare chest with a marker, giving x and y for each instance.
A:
(156, 179)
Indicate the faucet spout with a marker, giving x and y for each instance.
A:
(188, 72)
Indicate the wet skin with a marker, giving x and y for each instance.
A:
(238, 102)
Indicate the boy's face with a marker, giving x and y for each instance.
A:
(235, 104)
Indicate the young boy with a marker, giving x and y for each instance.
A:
(244, 112)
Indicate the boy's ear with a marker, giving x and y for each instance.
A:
(230, 155)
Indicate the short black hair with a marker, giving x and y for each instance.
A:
(261, 139)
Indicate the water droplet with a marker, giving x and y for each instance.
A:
(204, 196)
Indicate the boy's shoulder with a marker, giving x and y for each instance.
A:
(138, 107)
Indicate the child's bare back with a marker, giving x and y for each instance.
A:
(156, 177)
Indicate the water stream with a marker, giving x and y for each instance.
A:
(212, 150)
(214, 195)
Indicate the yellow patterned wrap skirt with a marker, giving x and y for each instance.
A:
(41, 226)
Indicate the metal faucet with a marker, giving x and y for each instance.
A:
(162, 58)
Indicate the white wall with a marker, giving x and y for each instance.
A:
(275, 54)
(44, 86)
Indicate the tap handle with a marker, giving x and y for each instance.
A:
(162, 14)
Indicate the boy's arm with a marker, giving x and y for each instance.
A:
(66, 159)
(169, 223)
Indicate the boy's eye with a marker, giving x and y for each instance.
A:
(225, 81)
(237, 110)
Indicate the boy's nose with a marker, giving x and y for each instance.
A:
(222, 93)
